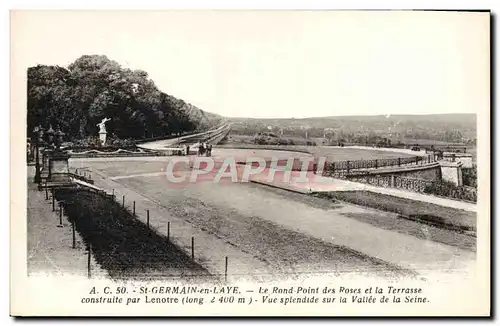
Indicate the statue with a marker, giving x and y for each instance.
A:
(102, 130)
(102, 126)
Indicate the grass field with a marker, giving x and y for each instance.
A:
(331, 153)
(337, 154)
(233, 139)
(415, 210)
(344, 154)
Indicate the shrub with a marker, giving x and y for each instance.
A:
(260, 140)
(282, 141)
(448, 189)
(112, 143)
(310, 143)
(272, 141)
(469, 176)
(89, 142)
(123, 143)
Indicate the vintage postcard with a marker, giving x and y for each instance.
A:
(250, 163)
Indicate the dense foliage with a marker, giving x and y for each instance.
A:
(469, 176)
(94, 87)
(269, 138)
(450, 190)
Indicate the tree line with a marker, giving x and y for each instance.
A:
(76, 98)
(368, 129)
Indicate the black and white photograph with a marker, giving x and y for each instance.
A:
(250, 163)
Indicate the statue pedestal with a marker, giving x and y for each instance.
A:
(465, 158)
(45, 163)
(452, 172)
(59, 167)
(102, 137)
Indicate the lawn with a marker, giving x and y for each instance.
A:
(446, 217)
(352, 154)
(331, 153)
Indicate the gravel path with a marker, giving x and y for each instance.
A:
(50, 250)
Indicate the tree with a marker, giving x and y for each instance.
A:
(94, 87)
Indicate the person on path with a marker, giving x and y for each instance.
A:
(201, 149)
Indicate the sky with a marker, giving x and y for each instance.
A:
(280, 64)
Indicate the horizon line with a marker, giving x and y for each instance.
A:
(347, 115)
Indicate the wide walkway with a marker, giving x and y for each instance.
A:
(50, 248)
(173, 142)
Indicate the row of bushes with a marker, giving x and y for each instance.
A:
(105, 149)
(263, 140)
(93, 142)
(450, 190)
(121, 244)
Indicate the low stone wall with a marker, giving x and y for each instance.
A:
(464, 158)
(429, 172)
(418, 185)
(94, 153)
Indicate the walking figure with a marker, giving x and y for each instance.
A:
(205, 149)
(201, 149)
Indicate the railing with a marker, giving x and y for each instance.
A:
(100, 192)
(185, 134)
(167, 137)
(343, 169)
(209, 136)
(82, 178)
